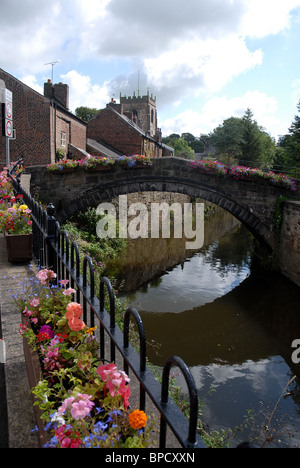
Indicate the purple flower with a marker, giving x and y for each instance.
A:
(48, 330)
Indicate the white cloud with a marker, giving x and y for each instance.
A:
(201, 65)
(265, 17)
(217, 109)
(31, 31)
(30, 80)
(84, 93)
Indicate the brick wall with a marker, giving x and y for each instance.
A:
(31, 119)
(38, 126)
(108, 127)
(74, 131)
(113, 130)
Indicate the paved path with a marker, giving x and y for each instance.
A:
(16, 411)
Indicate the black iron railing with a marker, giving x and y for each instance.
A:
(52, 249)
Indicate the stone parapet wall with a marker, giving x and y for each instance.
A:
(252, 202)
(289, 251)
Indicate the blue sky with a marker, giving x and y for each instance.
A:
(204, 60)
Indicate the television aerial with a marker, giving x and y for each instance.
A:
(53, 64)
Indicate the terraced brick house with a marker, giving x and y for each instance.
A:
(42, 124)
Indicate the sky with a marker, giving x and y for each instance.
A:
(203, 60)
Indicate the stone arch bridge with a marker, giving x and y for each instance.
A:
(251, 202)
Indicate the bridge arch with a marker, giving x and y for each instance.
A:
(107, 191)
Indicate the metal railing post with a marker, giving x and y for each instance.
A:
(50, 230)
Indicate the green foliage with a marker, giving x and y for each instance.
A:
(288, 148)
(86, 113)
(241, 140)
(60, 154)
(182, 149)
(279, 212)
(228, 138)
(82, 229)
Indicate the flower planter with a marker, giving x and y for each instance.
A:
(66, 170)
(141, 165)
(34, 374)
(137, 166)
(19, 247)
(100, 167)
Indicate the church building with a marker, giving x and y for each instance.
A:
(129, 127)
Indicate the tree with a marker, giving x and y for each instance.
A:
(250, 144)
(288, 147)
(241, 140)
(86, 113)
(293, 140)
(195, 143)
(188, 137)
(182, 149)
(227, 139)
(267, 150)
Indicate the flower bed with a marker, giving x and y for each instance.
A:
(136, 160)
(244, 173)
(82, 401)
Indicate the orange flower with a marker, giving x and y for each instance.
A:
(137, 419)
(73, 314)
(74, 310)
(76, 324)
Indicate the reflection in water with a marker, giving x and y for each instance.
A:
(230, 321)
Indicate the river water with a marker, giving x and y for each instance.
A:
(229, 319)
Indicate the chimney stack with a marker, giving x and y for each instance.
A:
(59, 91)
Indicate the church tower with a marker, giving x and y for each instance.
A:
(142, 111)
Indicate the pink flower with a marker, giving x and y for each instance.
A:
(116, 381)
(79, 406)
(67, 403)
(44, 276)
(65, 442)
(34, 302)
(105, 370)
(64, 282)
(81, 409)
(69, 291)
(27, 312)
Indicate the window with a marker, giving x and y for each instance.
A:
(63, 139)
